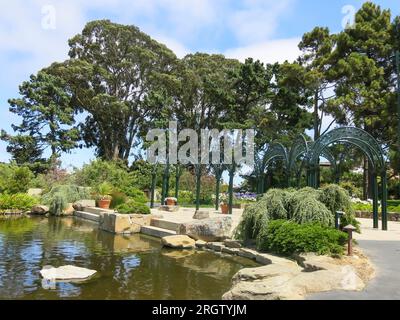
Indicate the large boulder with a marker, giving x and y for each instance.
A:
(40, 210)
(66, 273)
(210, 230)
(288, 281)
(178, 242)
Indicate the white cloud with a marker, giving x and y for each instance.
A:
(270, 51)
(257, 20)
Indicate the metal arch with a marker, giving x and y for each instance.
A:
(367, 143)
(299, 147)
(356, 142)
(277, 150)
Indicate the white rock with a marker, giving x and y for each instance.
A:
(66, 273)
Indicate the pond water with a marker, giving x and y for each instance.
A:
(134, 267)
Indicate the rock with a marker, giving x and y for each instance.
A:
(68, 272)
(123, 223)
(200, 244)
(69, 211)
(201, 215)
(312, 262)
(247, 253)
(215, 246)
(82, 204)
(40, 210)
(228, 250)
(178, 242)
(232, 243)
(265, 258)
(178, 254)
(288, 281)
(210, 230)
(35, 192)
(169, 208)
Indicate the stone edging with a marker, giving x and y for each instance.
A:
(392, 216)
(291, 279)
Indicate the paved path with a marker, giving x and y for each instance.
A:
(383, 248)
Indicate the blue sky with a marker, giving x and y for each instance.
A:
(34, 33)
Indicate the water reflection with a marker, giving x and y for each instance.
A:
(134, 267)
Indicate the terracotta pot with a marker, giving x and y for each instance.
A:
(170, 202)
(104, 203)
(225, 208)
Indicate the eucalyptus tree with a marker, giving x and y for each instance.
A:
(112, 70)
(201, 81)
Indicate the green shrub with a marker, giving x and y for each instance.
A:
(14, 179)
(253, 218)
(99, 171)
(136, 195)
(59, 197)
(307, 208)
(288, 237)
(185, 197)
(336, 198)
(276, 200)
(351, 189)
(118, 198)
(133, 207)
(17, 202)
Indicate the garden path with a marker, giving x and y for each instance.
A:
(383, 248)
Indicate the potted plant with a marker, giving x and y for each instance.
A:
(104, 195)
(223, 198)
(171, 201)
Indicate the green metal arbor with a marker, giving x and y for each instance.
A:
(308, 153)
(305, 155)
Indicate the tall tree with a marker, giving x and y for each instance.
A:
(47, 119)
(112, 70)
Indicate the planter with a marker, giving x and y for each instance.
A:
(171, 202)
(104, 203)
(225, 208)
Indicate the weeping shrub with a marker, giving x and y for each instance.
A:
(337, 198)
(59, 197)
(307, 208)
(253, 218)
(275, 201)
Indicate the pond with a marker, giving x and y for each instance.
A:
(134, 267)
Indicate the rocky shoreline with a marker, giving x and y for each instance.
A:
(292, 278)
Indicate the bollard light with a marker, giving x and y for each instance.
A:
(350, 230)
(338, 216)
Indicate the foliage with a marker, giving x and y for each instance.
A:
(99, 171)
(112, 71)
(276, 202)
(253, 217)
(14, 179)
(117, 198)
(335, 198)
(307, 208)
(59, 196)
(104, 190)
(17, 202)
(351, 189)
(133, 207)
(185, 197)
(47, 119)
(288, 237)
(136, 195)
